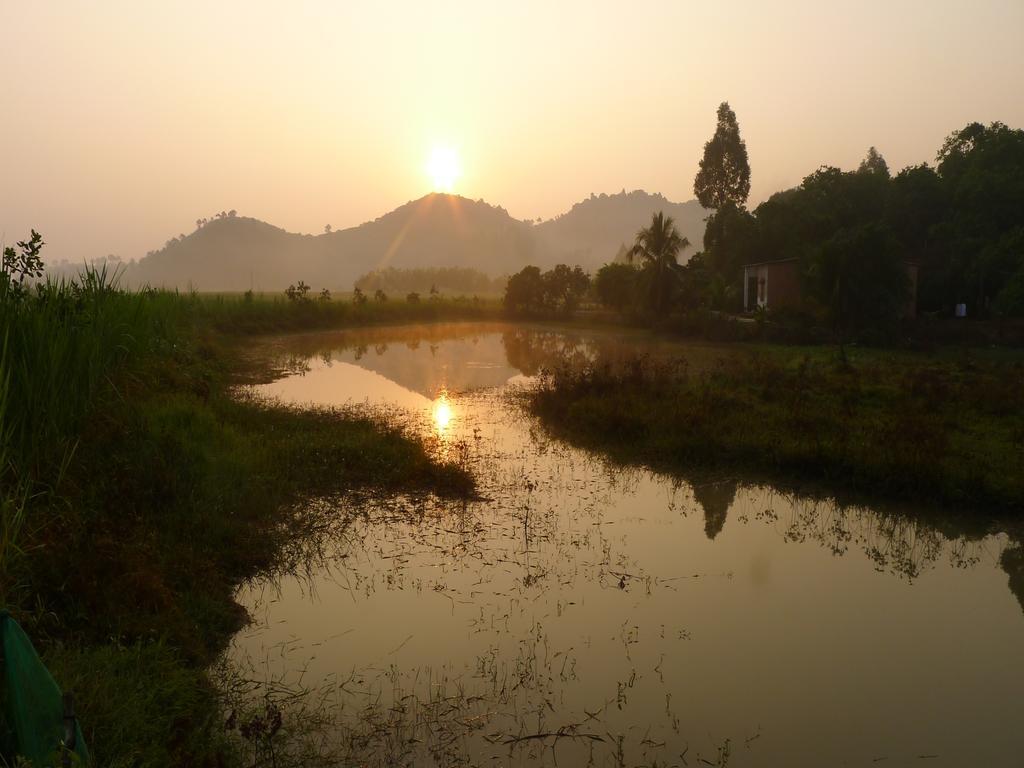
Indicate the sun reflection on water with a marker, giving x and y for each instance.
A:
(442, 413)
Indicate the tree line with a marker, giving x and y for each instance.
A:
(960, 221)
(850, 233)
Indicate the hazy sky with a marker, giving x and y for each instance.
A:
(123, 122)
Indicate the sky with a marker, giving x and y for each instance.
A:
(121, 123)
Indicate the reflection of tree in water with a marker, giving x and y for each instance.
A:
(531, 350)
(1013, 563)
(896, 543)
(715, 499)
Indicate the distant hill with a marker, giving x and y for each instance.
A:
(232, 253)
(591, 232)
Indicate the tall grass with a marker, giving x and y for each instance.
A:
(67, 342)
(61, 342)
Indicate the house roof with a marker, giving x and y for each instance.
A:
(773, 261)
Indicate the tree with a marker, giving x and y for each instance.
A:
(358, 297)
(724, 174)
(874, 163)
(615, 285)
(327, 229)
(564, 287)
(730, 241)
(297, 293)
(858, 275)
(658, 247)
(19, 265)
(525, 291)
(380, 296)
(982, 172)
(917, 205)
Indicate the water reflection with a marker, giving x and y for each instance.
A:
(1013, 563)
(442, 413)
(588, 613)
(715, 498)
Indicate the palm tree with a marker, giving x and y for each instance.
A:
(658, 247)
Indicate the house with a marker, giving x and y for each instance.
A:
(776, 284)
(771, 283)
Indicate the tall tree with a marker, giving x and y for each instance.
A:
(874, 163)
(724, 175)
(658, 247)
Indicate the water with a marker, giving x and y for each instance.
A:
(589, 614)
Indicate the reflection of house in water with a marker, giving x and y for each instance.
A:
(716, 499)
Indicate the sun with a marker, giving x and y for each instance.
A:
(444, 168)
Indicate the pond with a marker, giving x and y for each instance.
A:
(582, 613)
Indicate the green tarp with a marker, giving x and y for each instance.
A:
(32, 716)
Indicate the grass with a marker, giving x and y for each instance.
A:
(934, 430)
(138, 491)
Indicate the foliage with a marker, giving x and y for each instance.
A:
(358, 297)
(524, 292)
(959, 222)
(657, 247)
(19, 265)
(616, 284)
(298, 292)
(874, 163)
(1010, 301)
(731, 240)
(564, 287)
(835, 224)
(559, 290)
(982, 172)
(724, 175)
(860, 277)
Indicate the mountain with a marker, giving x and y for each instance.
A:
(591, 232)
(232, 253)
